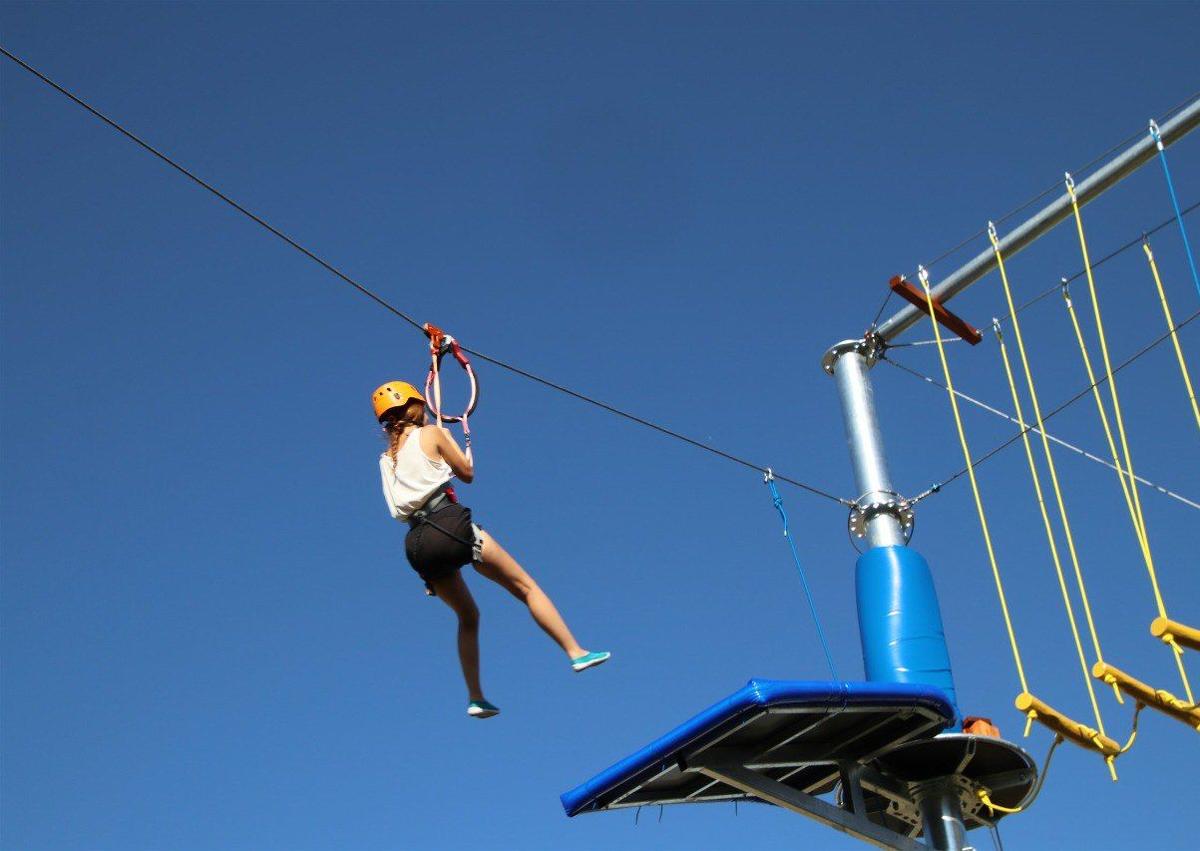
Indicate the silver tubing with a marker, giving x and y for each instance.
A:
(850, 364)
(1045, 219)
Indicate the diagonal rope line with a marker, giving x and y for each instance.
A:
(1139, 518)
(777, 500)
(1114, 253)
(1058, 494)
(1064, 405)
(970, 470)
(382, 302)
(1162, 299)
(1162, 157)
(978, 403)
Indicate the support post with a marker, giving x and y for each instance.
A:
(942, 816)
(849, 363)
(899, 620)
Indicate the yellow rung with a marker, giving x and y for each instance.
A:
(1070, 729)
(1163, 701)
(1166, 629)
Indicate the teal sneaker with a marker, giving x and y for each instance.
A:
(482, 709)
(591, 660)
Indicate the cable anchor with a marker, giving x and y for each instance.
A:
(1156, 134)
(869, 506)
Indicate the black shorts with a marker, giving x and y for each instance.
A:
(442, 543)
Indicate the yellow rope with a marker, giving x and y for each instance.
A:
(1037, 486)
(1139, 519)
(962, 439)
(1162, 297)
(1108, 433)
(993, 807)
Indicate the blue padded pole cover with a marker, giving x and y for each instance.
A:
(899, 620)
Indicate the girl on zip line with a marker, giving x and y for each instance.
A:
(416, 470)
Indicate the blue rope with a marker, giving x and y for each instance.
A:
(769, 478)
(1162, 156)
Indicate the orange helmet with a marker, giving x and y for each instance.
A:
(394, 394)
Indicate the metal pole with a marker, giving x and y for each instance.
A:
(942, 816)
(850, 362)
(1032, 228)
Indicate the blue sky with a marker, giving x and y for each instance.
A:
(210, 636)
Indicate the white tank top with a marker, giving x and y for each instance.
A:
(412, 478)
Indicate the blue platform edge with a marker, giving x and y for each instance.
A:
(755, 696)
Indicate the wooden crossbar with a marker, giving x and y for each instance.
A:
(1070, 729)
(1185, 636)
(1163, 701)
(956, 324)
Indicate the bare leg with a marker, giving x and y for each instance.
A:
(503, 569)
(453, 591)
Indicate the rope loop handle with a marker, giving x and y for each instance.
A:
(441, 344)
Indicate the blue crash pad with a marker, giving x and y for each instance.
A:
(813, 723)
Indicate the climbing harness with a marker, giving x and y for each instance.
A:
(441, 344)
(777, 500)
(1162, 157)
(1162, 298)
(1129, 484)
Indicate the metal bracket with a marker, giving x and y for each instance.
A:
(869, 346)
(866, 509)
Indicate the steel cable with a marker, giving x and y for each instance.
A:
(378, 299)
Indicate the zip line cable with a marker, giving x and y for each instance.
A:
(382, 302)
(1059, 287)
(937, 488)
(971, 400)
